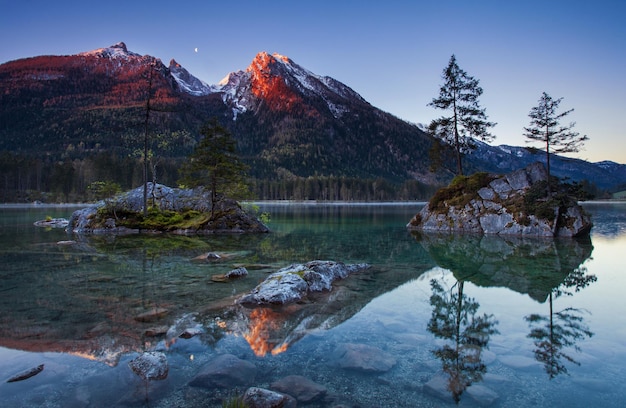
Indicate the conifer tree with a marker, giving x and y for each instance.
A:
(459, 96)
(214, 164)
(544, 127)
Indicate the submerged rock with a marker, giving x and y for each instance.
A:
(512, 204)
(230, 275)
(25, 375)
(52, 223)
(363, 357)
(225, 371)
(152, 315)
(261, 398)
(299, 387)
(292, 283)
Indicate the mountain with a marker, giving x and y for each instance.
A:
(88, 112)
(504, 158)
(288, 121)
(295, 123)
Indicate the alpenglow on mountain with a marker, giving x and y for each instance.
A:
(289, 123)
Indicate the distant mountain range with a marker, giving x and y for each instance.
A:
(289, 122)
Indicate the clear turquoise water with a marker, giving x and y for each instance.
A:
(73, 308)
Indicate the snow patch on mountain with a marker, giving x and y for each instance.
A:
(187, 82)
(236, 86)
(235, 89)
(117, 51)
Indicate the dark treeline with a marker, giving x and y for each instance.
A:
(26, 179)
(341, 189)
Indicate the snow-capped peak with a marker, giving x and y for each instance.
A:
(187, 82)
(118, 50)
(242, 89)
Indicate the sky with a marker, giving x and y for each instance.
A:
(392, 52)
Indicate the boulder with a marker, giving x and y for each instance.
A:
(225, 371)
(299, 387)
(150, 366)
(230, 275)
(255, 397)
(483, 396)
(363, 357)
(152, 315)
(511, 204)
(291, 284)
(439, 386)
(24, 375)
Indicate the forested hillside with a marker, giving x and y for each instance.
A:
(69, 121)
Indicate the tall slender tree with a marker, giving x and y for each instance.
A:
(545, 127)
(467, 120)
(145, 141)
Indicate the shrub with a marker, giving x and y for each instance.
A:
(462, 190)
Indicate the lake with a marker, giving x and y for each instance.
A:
(435, 321)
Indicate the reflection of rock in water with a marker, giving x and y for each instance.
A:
(531, 266)
(271, 330)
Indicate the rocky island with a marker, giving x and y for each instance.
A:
(175, 210)
(517, 203)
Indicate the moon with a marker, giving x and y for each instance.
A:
(196, 49)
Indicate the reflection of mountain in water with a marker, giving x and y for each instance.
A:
(531, 266)
(105, 296)
(273, 330)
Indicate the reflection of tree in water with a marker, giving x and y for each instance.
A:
(560, 330)
(454, 318)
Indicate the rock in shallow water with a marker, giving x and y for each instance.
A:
(24, 375)
(292, 283)
(299, 387)
(497, 204)
(225, 371)
(363, 357)
(261, 398)
(150, 366)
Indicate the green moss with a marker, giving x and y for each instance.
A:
(155, 219)
(460, 192)
(235, 401)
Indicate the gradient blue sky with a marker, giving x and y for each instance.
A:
(391, 52)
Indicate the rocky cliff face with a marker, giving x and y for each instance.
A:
(512, 204)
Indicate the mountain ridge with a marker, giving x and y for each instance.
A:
(289, 123)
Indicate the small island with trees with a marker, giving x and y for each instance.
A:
(529, 201)
(197, 209)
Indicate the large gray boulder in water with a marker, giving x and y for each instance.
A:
(511, 204)
(294, 282)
